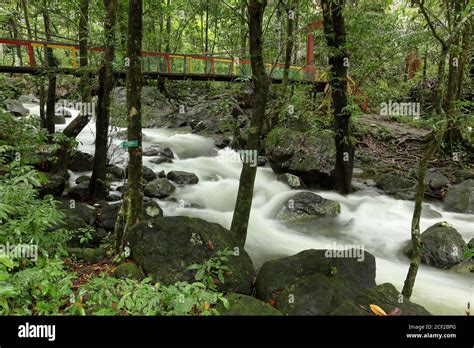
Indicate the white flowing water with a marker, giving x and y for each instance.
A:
(377, 222)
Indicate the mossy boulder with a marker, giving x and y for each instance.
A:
(460, 198)
(304, 205)
(291, 180)
(386, 296)
(394, 184)
(442, 246)
(240, 304)
(89, 255)
(313, 282)
(308, 155)
(164, 248)
(128, 270)
(159, 188)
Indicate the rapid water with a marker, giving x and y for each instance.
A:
(377, 222)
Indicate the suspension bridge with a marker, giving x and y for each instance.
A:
(172, 66)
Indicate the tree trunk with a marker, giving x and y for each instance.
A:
(335, 33)
(283, 98)
(466, 44)
(97, 183)
(15, 36)
(168, 26)
(73, 129)
(50, 63)
(261, 83)
(134, 85)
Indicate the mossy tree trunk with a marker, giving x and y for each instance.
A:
(98, 183)
(50, 63)
(335, 33)
(437, 137)
(73, 129)
(134, 204)
(261, 83)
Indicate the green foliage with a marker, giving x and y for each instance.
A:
(44, 289)
(110, 296)
(25, 217)
(213, 268)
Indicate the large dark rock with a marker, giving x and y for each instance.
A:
(15, 108)
(315, 282)
(394, 183)
(304, 205)
(158, 150)
(460, 198)
(240, 304)
(463, 174)
(166, 246)
(82, 210)
(435, 184)
(54, 186)
(116, 171)
(81, 162)
(182, 178)
(385, 296)
(79, 192)
(107, 215)
(309, 156)
(159, 188)
(442, 246)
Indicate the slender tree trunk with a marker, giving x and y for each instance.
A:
(335, 32)
(423, 166)
(168, 26)
(97, 183)
(51, 63)
(15, 36)
(73, 129)
(466, 44)
(134, 86)
(243, 30)
(431, 150)
(27, 19)
(261, 83)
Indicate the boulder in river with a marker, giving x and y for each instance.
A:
(116, 171)
(315, 282)
(435, 184)
(166, 246)
(16, 108)
(182, 178)
(460, 198)
(309, 156)
(304, 205)
(159, 188)
(291, 180)
(158, 150)
(28, 99)
(442, 246)
(81, 161)
(394, 183)
(79, 192)
(385, 296)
